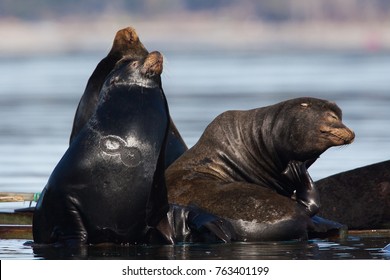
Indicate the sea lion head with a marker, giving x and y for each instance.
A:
(126, 41)
(144, 71)
(307, 127)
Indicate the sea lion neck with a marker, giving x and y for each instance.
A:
(271, 127)
(120, 102)
(247, 147)
(263, 130)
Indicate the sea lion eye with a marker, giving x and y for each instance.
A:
(333, 116)
(134, 64)
(114, 80)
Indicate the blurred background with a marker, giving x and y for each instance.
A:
(219, 55)
(72, 26)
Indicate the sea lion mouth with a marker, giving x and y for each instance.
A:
(343, 136)
(153, 64)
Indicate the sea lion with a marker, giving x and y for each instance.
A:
(358, 198)
(109, 186)
(250, 167)
(126, 44)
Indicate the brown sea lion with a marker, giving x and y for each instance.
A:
(250, 167)
(359, 198)
(126, 44)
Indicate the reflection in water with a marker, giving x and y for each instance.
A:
(280, 250)
(352, 248)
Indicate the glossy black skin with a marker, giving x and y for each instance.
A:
(358, 198)
(109, 186)
(250, 168)
(126, 45)
(175, 145)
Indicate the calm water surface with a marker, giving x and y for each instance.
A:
(39, 96)
(352, 248)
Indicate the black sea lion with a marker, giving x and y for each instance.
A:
(126, 44)
(247, 165)
(358, 198)
(109, 186)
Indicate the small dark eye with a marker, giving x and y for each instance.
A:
(114, 80)
(333, 116)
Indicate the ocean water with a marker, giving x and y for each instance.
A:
(39, 96)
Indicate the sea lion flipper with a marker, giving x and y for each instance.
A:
(322, 227)
(322, 224)
(201, 220)
(306, 192)
(220, 229)
(296, 172)
(165, 230)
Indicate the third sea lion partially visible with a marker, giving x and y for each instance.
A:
(358, 198)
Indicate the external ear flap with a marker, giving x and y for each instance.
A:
(112, 144)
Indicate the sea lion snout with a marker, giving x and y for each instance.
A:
(338, 135)
(126, 42)
(130, 34)
(332, 126)
(349, 135)
(153, 64)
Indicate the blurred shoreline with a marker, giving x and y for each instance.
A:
(190, 33)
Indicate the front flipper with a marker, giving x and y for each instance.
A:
(192, 224)
(70, 229)
(166, 230)
(209, 224)
(322, 228)
(57, 220)
(306, 192)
